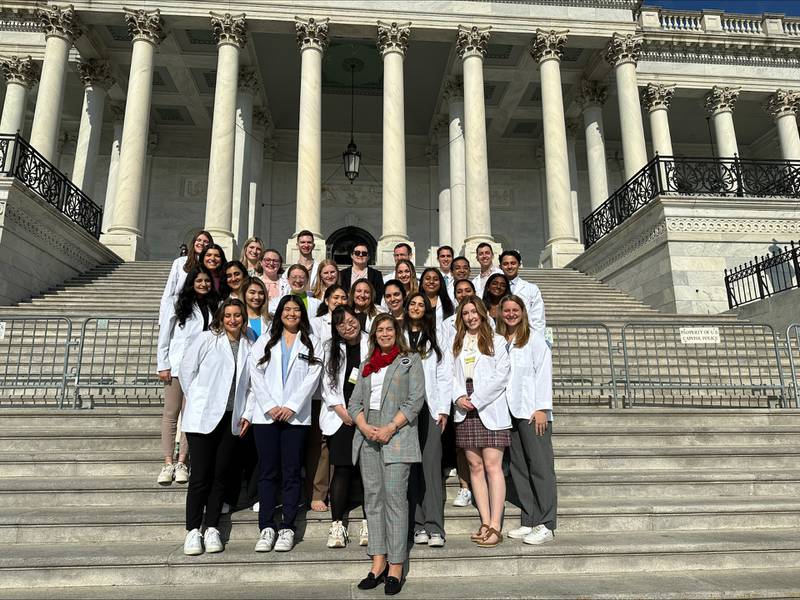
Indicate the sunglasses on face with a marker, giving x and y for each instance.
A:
(360, 253)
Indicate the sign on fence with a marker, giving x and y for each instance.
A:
(699, 335)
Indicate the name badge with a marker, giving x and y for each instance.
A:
(353, 376)
(469, 360)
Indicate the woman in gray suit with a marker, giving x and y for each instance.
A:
(389, 393)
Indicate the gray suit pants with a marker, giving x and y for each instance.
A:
(385, 503)
(425, 488)
(534, 475)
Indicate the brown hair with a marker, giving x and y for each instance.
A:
(351, 297)
(264, 312)
(399, 338)
(217, 325)
(413, 284)
(485, 334)
(318, 292)
(523, 332)
(192, 261)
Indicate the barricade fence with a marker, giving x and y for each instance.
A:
(111, 361)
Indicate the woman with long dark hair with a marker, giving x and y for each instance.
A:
(433, 285)
(394, 298)
(188, 316)
(255, 299)
(213, 259)
(496, 288)
(234, 280)
(284, 372)
(181, 267)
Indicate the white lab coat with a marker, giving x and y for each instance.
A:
(321, 326)
(173, 338)
(174, 284)
(329, 421)
(489, 378)
(479, 282)
(268, 389)
(438, 381)
(283, 286)
(447, 331)
(207, 372)
(313, 305)
(530, 294)
(530, 384)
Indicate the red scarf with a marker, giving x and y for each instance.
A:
(378, 360)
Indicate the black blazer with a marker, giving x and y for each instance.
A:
(373, 276)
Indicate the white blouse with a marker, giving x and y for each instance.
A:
(377, 388)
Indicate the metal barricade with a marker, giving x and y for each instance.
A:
(702, 365)
(117, 363)
(34, 357)
(583, 369)
(793, 349)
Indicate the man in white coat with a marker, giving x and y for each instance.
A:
(485, 255)
(510, 261)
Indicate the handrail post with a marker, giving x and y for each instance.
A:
(737, 169)
(795, 251)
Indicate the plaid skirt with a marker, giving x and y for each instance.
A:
(471, 433)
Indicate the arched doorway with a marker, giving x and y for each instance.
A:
(339, 243)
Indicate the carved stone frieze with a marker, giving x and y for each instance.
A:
(311, 33)
(229, 29)
(20, 70)
(472, 41)
(548, 45)
(623, 49)
(393, 37)
(657, 96)
(357, 196)
(145, 25)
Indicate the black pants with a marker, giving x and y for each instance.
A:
(280, 455)
(211, 458)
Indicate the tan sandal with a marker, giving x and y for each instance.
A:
(480, 534)
(485, 543)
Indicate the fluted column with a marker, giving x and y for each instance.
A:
(443, 172)
(96, 77)
(61, 29)
(562, 245)
(124, 236)
(312, 39)
(248, 87)
(392, 45)
(471, 46)
(622, 53)
(593, 96)
(783, 107)
(454, 98)
(118, 110)
(656, 98)
(20, 75)
(719, 104)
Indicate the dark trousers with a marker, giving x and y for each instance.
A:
(425, 483)
(211, 458)
(534, 475)
(280, 456)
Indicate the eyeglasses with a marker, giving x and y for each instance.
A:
(360, 253)
(271, 261)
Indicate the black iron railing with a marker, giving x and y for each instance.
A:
(20, 160)
(692, 176)
(763, 277)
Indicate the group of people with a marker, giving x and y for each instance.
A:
(351, 378)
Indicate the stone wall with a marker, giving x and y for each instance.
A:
(779, 311)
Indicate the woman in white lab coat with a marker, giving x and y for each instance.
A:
(284, 372)
(182, 320)
(297, 277)
(215, 376)
(181, 267)
(321, 322)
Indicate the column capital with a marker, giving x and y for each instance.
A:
(60, 22)
(117, 111)
(270, 148)
(96, 73)
(229, 29)
(573, 128)
(472, 41)
(20, 70)
(248, 80)
(593, 93)
(657, 96)
(262, 118)
(311, 33)
(721, 99)
(145, 25)
(453, 89)
(623, 49)
(783, 102)
(393, 37)
(439, 126)
(548, 45)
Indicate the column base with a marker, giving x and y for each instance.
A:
(471, 246)
(128, 246)
(293, 254)
(432, 260)
(559, 253)
(385, 254)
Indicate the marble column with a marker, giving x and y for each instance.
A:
(20, 75)
(592, 98)
(443, 156)
(61, 28)
(656, 98)
(471, 45)
(622, 53)
(562, 245)
(248, 88)
(573, 129)
(719, 104)
(392, 44)
(124, 235)
(253, 211)
(96, 78)
(312, 39)
(118, 110)
(230, 33)
(454, 99)
(783, 107)
(264, 224)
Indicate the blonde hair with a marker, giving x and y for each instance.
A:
(485, 334)
(413, 284)
(243, 258)
(523, 332)
(318, 292)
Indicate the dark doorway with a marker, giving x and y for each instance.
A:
(339, 243)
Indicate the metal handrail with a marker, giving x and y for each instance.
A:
(763, 277)
(794, 330)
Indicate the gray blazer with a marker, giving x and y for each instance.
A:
(403, 390)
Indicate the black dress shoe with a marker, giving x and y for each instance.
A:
(370, 582)
(393, 586)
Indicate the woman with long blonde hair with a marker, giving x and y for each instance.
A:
(252, 251)
(327, 275)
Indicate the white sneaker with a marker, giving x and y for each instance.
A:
(193, 544)
(363, 534)
(436, 540)
(539, 535)
(226, 508)
(285, 540)
(337, 535)
(421, 537)
(256, 507)
(181, 473)
(212, 541)
(463, 498)
(166, 475)
(520, 532)
(266, 541)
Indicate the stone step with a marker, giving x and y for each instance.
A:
(121, 563)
